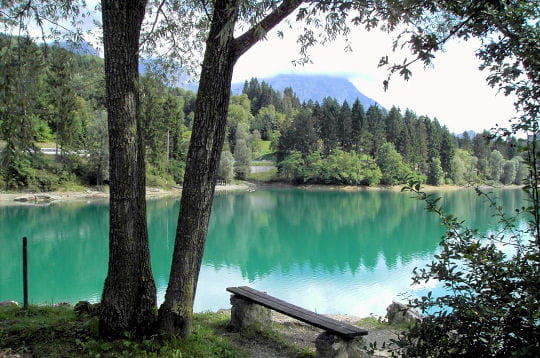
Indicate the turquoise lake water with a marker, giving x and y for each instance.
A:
(328, 251)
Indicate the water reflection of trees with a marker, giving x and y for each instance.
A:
(67, 249)
(475, 210)
(334, 231)
(256, 232)
(162, 217)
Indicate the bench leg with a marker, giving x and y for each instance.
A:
(245, 313)
(330, 346)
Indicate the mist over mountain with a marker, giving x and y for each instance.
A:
(315, 87)
(307, 87)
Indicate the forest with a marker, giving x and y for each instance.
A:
(51, 96)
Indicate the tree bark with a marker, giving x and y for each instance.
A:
(211, 107)
(207, 138)
(129, 294)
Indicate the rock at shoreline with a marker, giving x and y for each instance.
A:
(245, 313)
(36, 198)
(45, 197)
(85, 307)
(25, 198)
(330, 346)
(398, 312)
(8, 303)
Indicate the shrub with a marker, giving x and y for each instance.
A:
(178, 169)
(491, 305)
(164, 180)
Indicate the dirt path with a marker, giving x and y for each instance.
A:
(296, 338)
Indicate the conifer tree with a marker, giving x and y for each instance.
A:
(394, 126)
(375, 126)
(421, 145)
(358, 119)
(67, 109)
(290, 101)
(344, 127)
(465, 141)
(21, 64)
(329, 124)
(406, 141)
(434, 138)
(447, 150)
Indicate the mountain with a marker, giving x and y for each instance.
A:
(80, 48)
(471, 134)
(315, 87)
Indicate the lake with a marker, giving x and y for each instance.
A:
(329, 251)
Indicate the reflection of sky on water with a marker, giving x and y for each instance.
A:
(360, 293)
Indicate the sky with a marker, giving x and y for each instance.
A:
(454, 90)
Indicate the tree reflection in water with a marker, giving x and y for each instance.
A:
(297, 244)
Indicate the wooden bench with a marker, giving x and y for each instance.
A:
(342, 330)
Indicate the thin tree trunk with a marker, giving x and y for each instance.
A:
(207, 138)
(129, 293)
(211, 107)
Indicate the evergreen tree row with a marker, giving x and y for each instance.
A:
(52, 95)
(335, 143)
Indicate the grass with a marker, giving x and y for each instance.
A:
(268, 156)
(376, 323)
(262, 163)
(265, 153)
(268, 176)
(46, 144)
(44, 331)
(272, 337)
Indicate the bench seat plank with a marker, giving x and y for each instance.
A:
(333, 326)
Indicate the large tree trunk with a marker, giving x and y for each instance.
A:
(129, 294)
(211, 107)
(208, 133)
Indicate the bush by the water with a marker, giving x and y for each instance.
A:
(491, 304)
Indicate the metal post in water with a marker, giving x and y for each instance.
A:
(25, 272)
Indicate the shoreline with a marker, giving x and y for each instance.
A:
(33, 198)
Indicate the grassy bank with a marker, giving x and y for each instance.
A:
(45, 331)
(60, 332)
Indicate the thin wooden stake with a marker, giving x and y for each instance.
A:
(25, 273)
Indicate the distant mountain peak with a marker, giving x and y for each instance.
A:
(80, 48)
(315, 87)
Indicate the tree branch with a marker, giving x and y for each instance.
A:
(153, 24)
(251, 36)
(205, 8)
